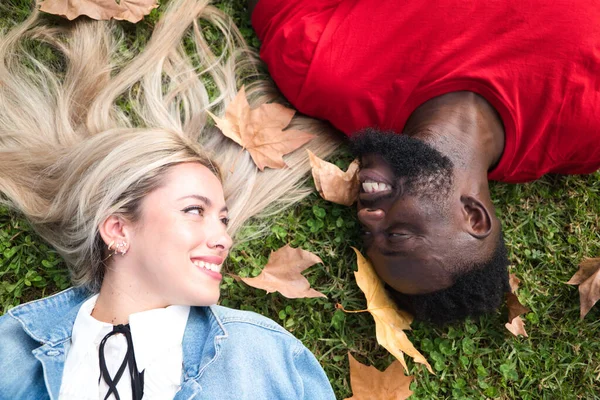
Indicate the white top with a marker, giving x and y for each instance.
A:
(157, 337)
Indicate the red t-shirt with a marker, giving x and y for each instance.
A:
(361, 63)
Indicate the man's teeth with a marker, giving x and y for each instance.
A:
(209, 266)
(370, 186)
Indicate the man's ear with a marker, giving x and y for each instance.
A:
(477, 216)
(113, 230)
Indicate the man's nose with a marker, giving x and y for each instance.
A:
(371, 217)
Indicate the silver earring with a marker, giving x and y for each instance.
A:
(120, 247)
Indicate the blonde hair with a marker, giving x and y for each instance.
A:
(71, 154)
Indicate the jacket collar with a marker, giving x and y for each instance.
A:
(198, 350)
(50, 320)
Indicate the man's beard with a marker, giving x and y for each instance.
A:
(423, 169)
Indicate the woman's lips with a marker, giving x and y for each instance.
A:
(211, 265)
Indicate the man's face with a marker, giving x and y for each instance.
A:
(405, 208)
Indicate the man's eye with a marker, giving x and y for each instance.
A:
(194, 210)
(398, 236)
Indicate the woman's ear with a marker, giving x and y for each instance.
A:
(477, 217)
(113, 230)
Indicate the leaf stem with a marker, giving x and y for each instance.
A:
(341, 307)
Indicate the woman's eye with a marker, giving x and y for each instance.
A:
(194, 210)
(225, 221)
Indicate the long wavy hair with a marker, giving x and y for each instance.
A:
(90, 133)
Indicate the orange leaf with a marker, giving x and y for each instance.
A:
(260, 130)
(332, 183)
(283, 273)
(390, 322)
(588, 279)
(515, 324)
(369, 384)
(129, 10)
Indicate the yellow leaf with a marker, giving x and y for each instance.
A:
(390, 322)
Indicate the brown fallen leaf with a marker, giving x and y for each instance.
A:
(332, 183)
(260, 130)
(368, 383)
(515, 324)
(516, 327)
(515, 308)
(128, 10)
(588, 279)
(283, 273)
(390, 322)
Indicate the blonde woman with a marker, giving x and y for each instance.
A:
(136, 205)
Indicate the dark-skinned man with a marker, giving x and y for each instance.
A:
(438, 97)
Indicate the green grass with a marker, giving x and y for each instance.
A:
(549, 227)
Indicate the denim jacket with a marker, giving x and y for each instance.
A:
(227, 354)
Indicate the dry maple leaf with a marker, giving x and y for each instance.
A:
(260, 130)
(283, 273)
(368, 383)
(390, 322)
(515, 324)
(516, 327)
(332, 183)
(588, 279)
(128, 10)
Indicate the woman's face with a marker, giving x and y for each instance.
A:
(178, 246)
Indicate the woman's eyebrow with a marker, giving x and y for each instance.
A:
(203, 199)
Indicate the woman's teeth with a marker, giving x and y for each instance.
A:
(370, 186)
(209, 266)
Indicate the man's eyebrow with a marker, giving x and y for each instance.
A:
(203, 199)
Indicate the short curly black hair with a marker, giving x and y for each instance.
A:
(479, 290)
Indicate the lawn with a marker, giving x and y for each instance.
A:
(549, 226)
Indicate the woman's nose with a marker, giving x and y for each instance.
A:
(220, 239)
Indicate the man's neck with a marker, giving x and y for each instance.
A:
(463, 126)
